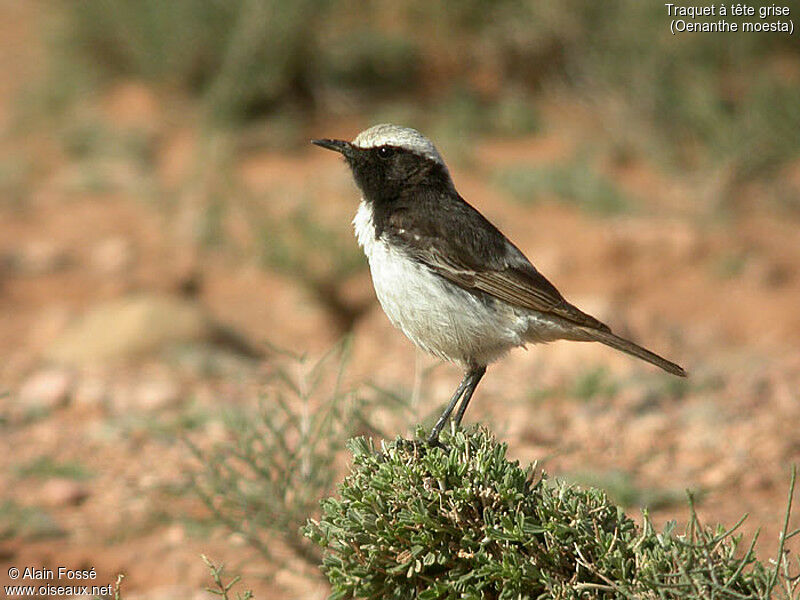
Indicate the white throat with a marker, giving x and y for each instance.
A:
(364, 227)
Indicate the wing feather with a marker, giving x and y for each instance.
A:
(474, 255)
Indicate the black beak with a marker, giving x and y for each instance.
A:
(336, 145)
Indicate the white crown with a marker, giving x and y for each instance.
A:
(409, 139)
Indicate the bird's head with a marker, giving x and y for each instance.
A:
(386, 159)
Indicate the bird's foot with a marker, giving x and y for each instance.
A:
(420, 447)
(415, 448)
(433, 442)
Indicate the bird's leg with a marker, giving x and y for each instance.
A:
(474, 375)
(433, 439)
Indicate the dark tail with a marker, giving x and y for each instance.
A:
(618, 343)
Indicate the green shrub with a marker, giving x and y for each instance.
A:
(465, 522)
(221, 588)
(277, 462)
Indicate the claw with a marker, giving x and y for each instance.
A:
(433, 442)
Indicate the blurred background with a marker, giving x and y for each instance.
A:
(178, 271)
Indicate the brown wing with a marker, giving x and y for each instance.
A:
(469, 251)
(520, 285)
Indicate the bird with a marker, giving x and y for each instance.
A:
(446, 276)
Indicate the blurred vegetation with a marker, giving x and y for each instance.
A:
(477, 65)
(623, 489)
(320, 258)
(280, 461)
(249, 74)
(45, 467)
(575, 183)
(27, 522)
(596, 385)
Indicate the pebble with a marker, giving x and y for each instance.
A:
(112, 256)
(128, 328)
(91, 392)
(47, 389)
(157, 393)
(60, 491)
(38, 257)
(148, 393)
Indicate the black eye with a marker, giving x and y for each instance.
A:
(385, 152)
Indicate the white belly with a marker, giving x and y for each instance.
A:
(435, 314)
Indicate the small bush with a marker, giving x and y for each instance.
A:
(466, 522)
(221, 588)
(278, 462)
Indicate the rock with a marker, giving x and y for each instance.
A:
(49, 324)
(215, 432)
(145, 390)
(111, 256)
(133, 105)
(91, 392)
(719, 474)
(60, 491)
(46, 390)
(128, 328)
(175, 534)
(156, 393)
(38, 257)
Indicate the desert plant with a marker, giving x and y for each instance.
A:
(45, 466)
(465, 522)
(221, 588)
(265, 481)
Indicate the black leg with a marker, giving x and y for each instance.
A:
(433, 439)
(475, 376)
(466, 388)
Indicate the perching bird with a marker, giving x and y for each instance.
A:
(447, 277)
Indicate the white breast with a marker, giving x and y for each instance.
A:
(437, 315)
